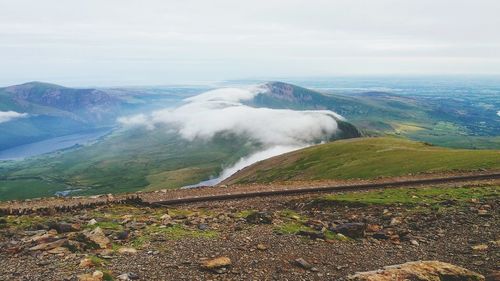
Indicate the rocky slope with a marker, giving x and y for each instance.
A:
(307, 237)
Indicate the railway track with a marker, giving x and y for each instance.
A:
(177, 197)
(322, 189)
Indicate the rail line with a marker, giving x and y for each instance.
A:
(322, 189)
(176, 198)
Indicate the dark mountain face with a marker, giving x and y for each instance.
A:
(53, 111)
(89, 104)
(287, 96)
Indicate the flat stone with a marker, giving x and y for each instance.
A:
(126, 250)
(48, 246)
(216, 263)
(419, 270)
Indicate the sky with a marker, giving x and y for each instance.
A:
(149, 42)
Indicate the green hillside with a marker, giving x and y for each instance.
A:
(126, 161)
(365, 158)
(129, 160)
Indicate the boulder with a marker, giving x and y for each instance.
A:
(62, 227)
(86, 263)
(98, 237)
(303, 263)
(419, 271)
(260, 218)
(128, 276)
(48, 246)
(352, 230)
(129, 251)
(96, 276)
(216, 263)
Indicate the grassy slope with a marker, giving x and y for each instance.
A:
(366, 158)
(414, 196)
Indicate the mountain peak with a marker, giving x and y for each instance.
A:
(37, 84)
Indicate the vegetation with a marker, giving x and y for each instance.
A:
(366, 158)
(126, 161)
(415, 196)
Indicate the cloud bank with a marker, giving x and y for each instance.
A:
(6, 116)
(223, 110)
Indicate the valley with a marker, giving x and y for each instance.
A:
(303, 185)
(136, 157)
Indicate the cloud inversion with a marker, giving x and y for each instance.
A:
(277, 130)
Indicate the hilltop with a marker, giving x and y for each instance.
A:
(365, 158)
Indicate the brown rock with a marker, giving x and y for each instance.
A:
(96, 276)
(261, 247)
(125, 250)
(216, 263)
(352, 230)
(373, 228)
(480, 247)
(493, 276)
(305, 264)
(48, 246)
(97, 236)
(419, 270)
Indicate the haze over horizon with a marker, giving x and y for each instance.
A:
(83, 43)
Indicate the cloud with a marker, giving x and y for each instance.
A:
(124, 42)
(136, 120)
(6, 116)
(223, 110)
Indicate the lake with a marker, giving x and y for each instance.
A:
(51, 145)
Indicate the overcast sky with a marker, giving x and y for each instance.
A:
(125, 42)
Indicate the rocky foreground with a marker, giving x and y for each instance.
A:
(306, 237)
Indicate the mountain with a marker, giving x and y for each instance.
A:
(464, 121)
(365, 109)
(135, 158)
(51, 110)
(82, 105)
(365, 158)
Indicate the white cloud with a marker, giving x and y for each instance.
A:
(6, 116)
(223, 110)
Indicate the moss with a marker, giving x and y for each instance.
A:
(291, 228)
(244, 213)
(330, 235)
(107, 276)
(179, 212)
(140, 241)
(179, 232)
(107, 225)
(290, 214)
(25, 222)
(96, 261)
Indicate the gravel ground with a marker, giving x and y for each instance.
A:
(257, 250)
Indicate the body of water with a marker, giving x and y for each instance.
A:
(51, 145)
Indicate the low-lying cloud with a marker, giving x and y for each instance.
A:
(6, 116)
(223, 110)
